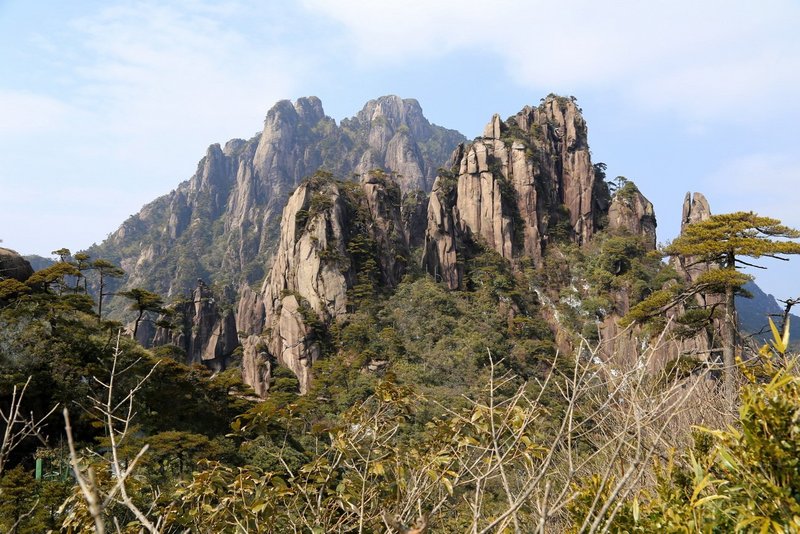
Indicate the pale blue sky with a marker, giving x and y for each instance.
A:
(106, 105)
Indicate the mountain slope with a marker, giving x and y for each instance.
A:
(222, 224)
(753, 315)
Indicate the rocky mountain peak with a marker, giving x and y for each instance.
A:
(528, 180)
(695, 209)
(632, 213)
(222, 224)
(396, 113)
(338, 241)
(309, 109)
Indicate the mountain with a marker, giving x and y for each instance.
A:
(753, 313)
(527, 184)
(222, 225)
(515, 189)
(39, 262)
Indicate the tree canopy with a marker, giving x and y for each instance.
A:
(726, 237)
(143, 301)
(722, 241)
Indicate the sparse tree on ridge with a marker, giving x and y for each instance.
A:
(82, 263)
(105, 269)
(63, 254)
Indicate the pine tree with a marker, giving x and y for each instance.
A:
(105, 269)
(723, 240)
(143, 301)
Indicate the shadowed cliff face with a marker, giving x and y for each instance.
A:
(514, 189)
(222, 224)
(12, 265)
(339, 242)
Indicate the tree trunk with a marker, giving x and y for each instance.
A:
(729, 344)
(100, 301)
(136, 324)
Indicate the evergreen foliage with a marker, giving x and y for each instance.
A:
(722, 241)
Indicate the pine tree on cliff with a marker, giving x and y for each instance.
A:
(143, 301)
(723, 240)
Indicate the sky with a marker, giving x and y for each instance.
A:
(106, 105)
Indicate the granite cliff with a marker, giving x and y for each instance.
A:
(526, 181)
(12, 265)
(201, 327)
(339, 242)
(222, 225)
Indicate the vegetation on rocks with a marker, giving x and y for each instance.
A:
(564, 379)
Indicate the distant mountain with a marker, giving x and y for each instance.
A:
(753, 315)
(222, 225)
(39, 262)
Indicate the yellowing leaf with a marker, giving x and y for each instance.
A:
(448, 485)
(778, 340)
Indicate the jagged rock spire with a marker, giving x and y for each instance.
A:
(511, 187)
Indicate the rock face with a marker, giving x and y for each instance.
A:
(203, 330)
(695, 209)
(222, 224)
(630, 212)
(338, 242)
(12, 265)
(623, 347)
(524, 182)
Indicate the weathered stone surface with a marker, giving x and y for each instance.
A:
(414, 212)
(223, 223)
(510, 187)
(204, 331)
(695, 209)
(12, 265)
(256, 364)
(440, 258)
(330, 232)
(250, 312)
(630, 212)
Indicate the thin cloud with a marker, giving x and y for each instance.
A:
(682, 56)
(28, 113)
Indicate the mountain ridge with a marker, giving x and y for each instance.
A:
(221, 224)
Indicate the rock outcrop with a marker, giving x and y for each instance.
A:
(526, 181)
(205, 331)
(630, 212)
(695, 209)
(12, 265)
(623, 347)
(223, 223)
(339, 242)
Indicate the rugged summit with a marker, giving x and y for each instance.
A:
(222, 224)
(631, 212)
(339, 242)
(523, 182)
